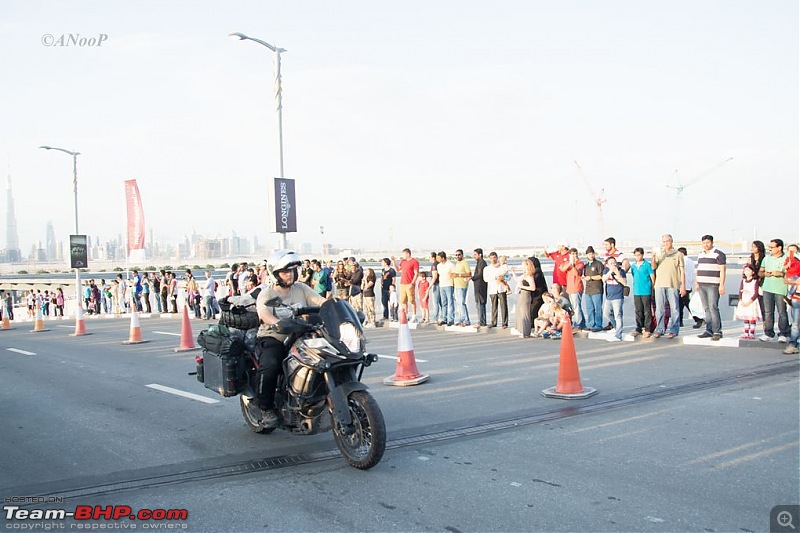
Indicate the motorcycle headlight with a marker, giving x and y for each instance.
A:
(318, 343)
(307, 355)
(350, 337)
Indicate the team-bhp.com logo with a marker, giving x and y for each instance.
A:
(74, 39)
(152, 518)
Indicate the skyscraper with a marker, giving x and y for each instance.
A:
(13, 254)
(50, 240)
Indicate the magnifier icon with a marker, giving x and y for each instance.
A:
(785, 519)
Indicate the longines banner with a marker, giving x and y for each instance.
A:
(285, 214)
(78, 257)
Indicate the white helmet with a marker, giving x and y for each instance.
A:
(281, 260)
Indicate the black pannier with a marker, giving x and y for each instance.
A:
(222, 367)
(223, 374)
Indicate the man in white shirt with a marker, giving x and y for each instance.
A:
(445, 269)
(243, 275)
(494, 275)
(208, 295)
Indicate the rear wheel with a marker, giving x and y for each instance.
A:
(251, 413)
(363, 442)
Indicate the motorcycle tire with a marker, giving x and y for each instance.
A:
(363, 442)
(251, 413)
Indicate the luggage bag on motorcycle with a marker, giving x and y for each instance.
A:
(238, 312)
(218, 339)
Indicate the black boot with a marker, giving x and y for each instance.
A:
(269, 418)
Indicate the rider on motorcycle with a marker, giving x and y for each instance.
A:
(282, 268)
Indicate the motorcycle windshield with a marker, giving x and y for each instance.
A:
(334, 313)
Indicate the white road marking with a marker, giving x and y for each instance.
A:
(181, 393)
(167, 333)
(68, 327)
(17, 350)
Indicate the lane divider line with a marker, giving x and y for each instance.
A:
(17, 350)
(181, 393)
(167, 333)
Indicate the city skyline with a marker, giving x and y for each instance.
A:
(202, 247)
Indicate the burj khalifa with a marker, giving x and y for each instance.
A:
(13, 254)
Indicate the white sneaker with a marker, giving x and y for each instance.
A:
(782, 339)
(614, 339)
(765, 338)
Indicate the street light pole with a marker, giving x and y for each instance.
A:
(278, 101)
(75, 191)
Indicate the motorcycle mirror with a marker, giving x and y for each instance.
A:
(274, 302)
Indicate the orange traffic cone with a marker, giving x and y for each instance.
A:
(406, 372)
(187, 339)
(6, 321)
(80, 326)
(136, 330)
(38, 325)
(568, 386)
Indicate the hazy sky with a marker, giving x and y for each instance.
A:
(414, 123)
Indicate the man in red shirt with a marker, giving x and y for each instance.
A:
(574, 271)
(561, 258)
(409, 271)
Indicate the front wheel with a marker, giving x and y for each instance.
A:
(363, 442)
(251, 413)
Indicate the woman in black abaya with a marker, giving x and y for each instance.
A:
(541, 288)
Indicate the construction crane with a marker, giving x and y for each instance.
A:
(597, 199)
(680, 187)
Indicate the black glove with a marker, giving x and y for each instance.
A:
(291, 325)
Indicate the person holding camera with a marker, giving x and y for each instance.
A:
(615, 282)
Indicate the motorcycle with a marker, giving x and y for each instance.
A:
(320, 388)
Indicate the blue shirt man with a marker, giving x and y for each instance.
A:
(643, 276)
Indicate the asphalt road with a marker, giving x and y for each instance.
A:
(679, 438)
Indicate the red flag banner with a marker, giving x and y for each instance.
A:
(135, 219)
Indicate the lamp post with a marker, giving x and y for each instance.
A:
(278, 99)
(75, 190)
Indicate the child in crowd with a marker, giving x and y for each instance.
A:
(558, 316)
(542, 321)
(392, 303)
(422, 287)
(748, 308)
